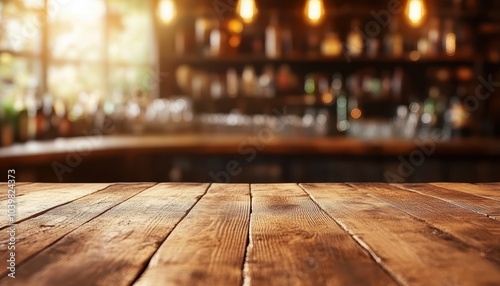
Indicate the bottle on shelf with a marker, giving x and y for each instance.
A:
(202, 35)
(7, 125)
(218, 39)
(393, 41)
(64, 122)
(313, 42)
(267, 82)
(22, 120)
(249, 81)
(339, 93)
(216, 87)
(310, 88)
(42, 122)
(331, 46)
(449, 38)
(434, 36)
(287, 45)
(232, 85)
(273, 38)
(355, 39)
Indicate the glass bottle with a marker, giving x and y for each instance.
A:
(341, 103)
(232, 85)
(215, 40)
(273, 38)
(433, 36)
(355, 39)
(393, 42)
(331, 45)
(449, 38)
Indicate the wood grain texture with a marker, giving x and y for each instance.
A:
(492, 185)
(113, 248)
(293, 242)
(208, 246)
(38, 197)
(4, 187)
(475, 230)
(481, 205)
(410, 249)
(37, 233)
(478, 190)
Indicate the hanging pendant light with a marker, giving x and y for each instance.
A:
(167, 11)
(314, 11)
(415, 12)
(247, 10)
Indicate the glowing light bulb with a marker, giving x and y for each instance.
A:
(247, 9)
(167, 11)
(415, 11)
(314, 11)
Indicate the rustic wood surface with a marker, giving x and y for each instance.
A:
(254, 234)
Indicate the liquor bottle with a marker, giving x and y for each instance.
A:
(273, 38)
(51, 117)
(341, 103)
(331, 45)
(64, 122)
(355, 39)
(22, 123)
(287, 42)
(202, 35)
(6, 124)
(393, 42)
(267, 82)
(449, 38)
(42, 124)
(249, 81)
(232, 85)
(217, 40)
(433, 37)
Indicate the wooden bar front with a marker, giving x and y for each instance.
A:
(254, 234)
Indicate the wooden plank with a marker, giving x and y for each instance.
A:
(408, 248)
(208, 246)
(471, 202)
(293, 242)
(4, 188)
(493, 185)
(37, 198)
(477, 190)
(475, 230)
(113, 248)
(35, 234)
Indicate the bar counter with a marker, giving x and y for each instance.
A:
(99, 146)
(253, 234)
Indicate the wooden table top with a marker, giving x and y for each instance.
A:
(258, 234)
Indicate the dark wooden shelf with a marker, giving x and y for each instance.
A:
(249, 59)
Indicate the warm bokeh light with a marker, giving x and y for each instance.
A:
(415, 11)
(314, 11)
(247, 10)
(235, 26)
(356, 113)
(450, 43)
(327, 98)
(167, 11)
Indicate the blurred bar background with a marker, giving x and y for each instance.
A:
(250, 91)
